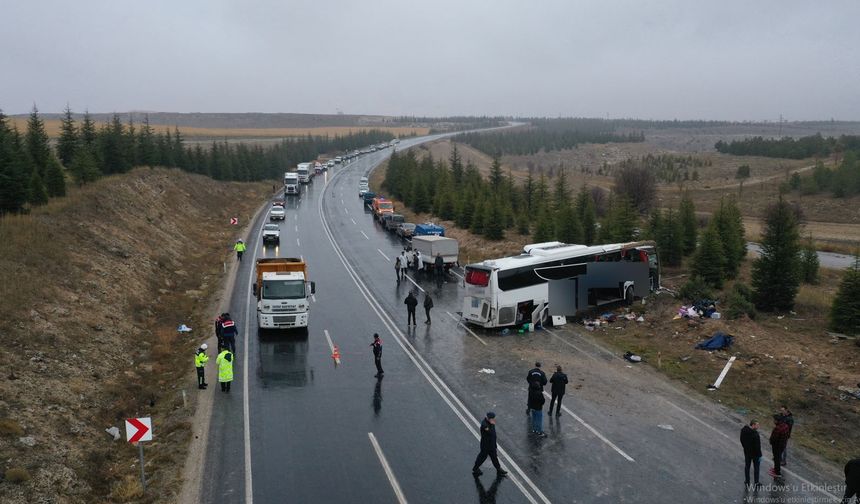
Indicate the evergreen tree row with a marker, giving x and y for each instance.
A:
(790, 148)
(31, 170)
(544, 136)
(841, 181)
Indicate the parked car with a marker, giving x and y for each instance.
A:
(406, 230)
(393, 221)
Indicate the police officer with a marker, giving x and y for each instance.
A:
(224, 361)
(488, 446)
(218, 320)
(200, 360)
(535, 374)
(228, 332)
(559, 385)
(439, 269)
(411, 302)
(240, 249)
(377, 355)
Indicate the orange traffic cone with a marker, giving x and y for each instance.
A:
(336, 354)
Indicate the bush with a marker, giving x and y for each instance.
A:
(127, 489)
(739, 302)
(695, 289)
(9, 427)
(17, 475)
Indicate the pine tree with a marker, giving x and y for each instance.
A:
(55, 179)
(13, 169)
(655, 224)
(730, 227)
(809, 262)
(561, 192)
(587, 215)
(620, 221)
(544, 230)
(496, 176)
(421, 200)
(178, 150)
(456, 163)
(84, 168)
(709, 258)
(568, 228)
(146, 144)
(845, 312)
(88, 132)
(522, 221)
(37, 144)
(36, 194)
(528, 193)
(670, 240)
(776, 274)
(493, 228)
(67, 144)
(689, 224)
(479, 217)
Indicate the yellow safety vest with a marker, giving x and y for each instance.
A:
(200, 359)
(239, 247)
(225, 367)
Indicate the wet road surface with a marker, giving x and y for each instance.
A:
(324, 433)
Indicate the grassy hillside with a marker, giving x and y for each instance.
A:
(93, 288)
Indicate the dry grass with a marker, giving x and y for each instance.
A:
(17, 475)
(126, 489)
(52, 126)
(10, 427)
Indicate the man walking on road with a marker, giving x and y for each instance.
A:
(200, 360)
(411, 302)
(428, 303)
(397, 268)
(788, 418)
(778, 438)
(559, 385)
(224, 361)
(852, 481)
(488, 446)
(377, 355)
(535, 374)
(240, 249)
(536, 402)
(751, 443)
(228, 332)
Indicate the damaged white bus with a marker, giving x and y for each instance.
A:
(517, 290)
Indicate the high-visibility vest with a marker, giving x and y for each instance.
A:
(239, 247)
(225, 367)
(200, 358)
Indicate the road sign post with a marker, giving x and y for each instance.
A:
(138, 430)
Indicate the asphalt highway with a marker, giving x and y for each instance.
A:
(320, 432)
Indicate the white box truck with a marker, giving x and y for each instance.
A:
(291, 183)
(304, 170)
(429, 246)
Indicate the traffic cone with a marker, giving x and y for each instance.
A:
(336, 354)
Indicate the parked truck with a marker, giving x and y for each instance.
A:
(430, 246)
(305, 170)
(291, 183)
(282, 290)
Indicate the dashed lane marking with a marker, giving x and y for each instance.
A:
(461, 324)
(594, 431)
(401, 499)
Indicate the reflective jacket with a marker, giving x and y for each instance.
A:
(239, 247)
(200, 358)
(225, 366)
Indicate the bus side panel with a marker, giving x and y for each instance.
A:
(608, 275)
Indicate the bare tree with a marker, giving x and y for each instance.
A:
(638, 184)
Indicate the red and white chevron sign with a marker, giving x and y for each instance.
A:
(138, 429)
(234, 221)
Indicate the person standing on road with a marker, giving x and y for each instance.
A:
(489, 447)
(377, 355)
(419, 263)
(852, 481)
(559, 385)
(218, 320)
(535, 374)
(397, 267)
(200, 360)
(439, 269)
(788, 418)
(778, 438)
(536, 402)
(751, 443)
(240, 249)
(428, 303)
(224, 361)
(411, 302)
(404, 264)
(228, 332)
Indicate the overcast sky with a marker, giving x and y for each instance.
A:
(648, 59)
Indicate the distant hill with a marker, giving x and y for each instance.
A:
(239, 120)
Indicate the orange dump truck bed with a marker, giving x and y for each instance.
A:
(280, 265)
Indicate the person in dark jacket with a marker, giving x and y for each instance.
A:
(377, 355)
(751, 443)
(778, 438)
(218, 320)
(535, 374)
(439, 269)
(559, 385)
(536, 402)
(488, 446)
(411, 302)
(852, 481)
(229, 332)
(428, 303)
(788, 418)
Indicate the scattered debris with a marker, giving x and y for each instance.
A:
(666, 427)
(849, 392)
(27, 441)
(719, 341)
(183, 328)
(113, 431)
(487, 371)
(632, 357)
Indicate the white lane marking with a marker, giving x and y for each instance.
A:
(328, 338)
(387, 468)
(459, 323)
(594, 431)
(353, 220)
(296, 217)
(414, 283)
(345, 210)
(383, 255)
(460, 410)
(341, 201)
(365, 236)
(819, 488)
(455, 273)
(246, 403)
(298, 242)
(568, 343)
(297, 228)
(313, 298)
